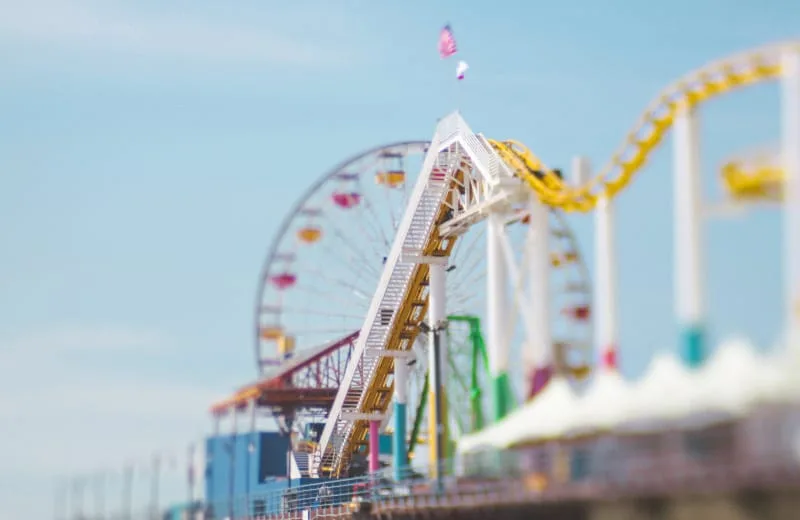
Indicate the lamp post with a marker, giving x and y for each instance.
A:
(232, 470)
(251, 448)
(78, 487)
(439, 400)
(190, 478)
(127, 492)
(61, 500)
(154, 486)
(99, 492)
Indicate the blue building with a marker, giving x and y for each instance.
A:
(238, 478)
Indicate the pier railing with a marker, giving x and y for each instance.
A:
(761, 452)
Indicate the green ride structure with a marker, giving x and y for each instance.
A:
(468, 371)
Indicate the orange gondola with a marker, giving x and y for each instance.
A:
(309, 234)
(271, 333)
(391, 178)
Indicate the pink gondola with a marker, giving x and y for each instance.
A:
(346, 200)
(284, 280)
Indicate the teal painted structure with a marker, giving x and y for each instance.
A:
(693, 347)
(398, 448)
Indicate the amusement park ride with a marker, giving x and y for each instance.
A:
(379, 284)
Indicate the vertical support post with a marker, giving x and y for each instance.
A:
(399, 454)
(688, 237)
(190, 456)
(791, 164)
(155, 484)
(61, 500)
(214, 450)
(538, 243)
(100, 495)
(496, 315)
(232, 468)
(251, 448)
(605, 292)
(78, 488)
(437, 366)
(127, 491)
(374, 445)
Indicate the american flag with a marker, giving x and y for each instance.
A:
(447, 42)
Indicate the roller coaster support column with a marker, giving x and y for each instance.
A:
(374, 445)
(437, 361)
(791, 158)
(400, 400)
(496, 315)
(606, 286)
(399, 454)
(688, 237)
(539, 288)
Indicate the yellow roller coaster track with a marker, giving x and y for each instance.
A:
(402, 336)
(753, 183)
(711, 81)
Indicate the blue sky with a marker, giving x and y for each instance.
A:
(148, 151)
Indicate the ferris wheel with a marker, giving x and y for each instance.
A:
(327, 258)
(325, 262)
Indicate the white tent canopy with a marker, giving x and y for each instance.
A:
(604, 405)
(734, 381)
(550, 415)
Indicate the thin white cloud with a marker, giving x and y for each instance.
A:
(105, 27)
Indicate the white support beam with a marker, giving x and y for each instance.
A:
(416, 258)
(361, 416)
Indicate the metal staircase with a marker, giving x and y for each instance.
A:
(452, 141)
(303, 462)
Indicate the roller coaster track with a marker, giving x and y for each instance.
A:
(753, 182)
(400, 301)
(713, 80)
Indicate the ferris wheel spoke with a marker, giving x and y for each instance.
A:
(392, 219)
(469, 270)
(377, 235)
(315, 312)
(356, 253)
(349, 282)
(337, 333)
(373, 233)
(356, 290)
(348, 264)
(391, 212)
(368, 207)
(457, 303)
(329, 297)
(473, 241)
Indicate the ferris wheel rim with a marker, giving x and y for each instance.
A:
(583, 267)
(272, 251)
